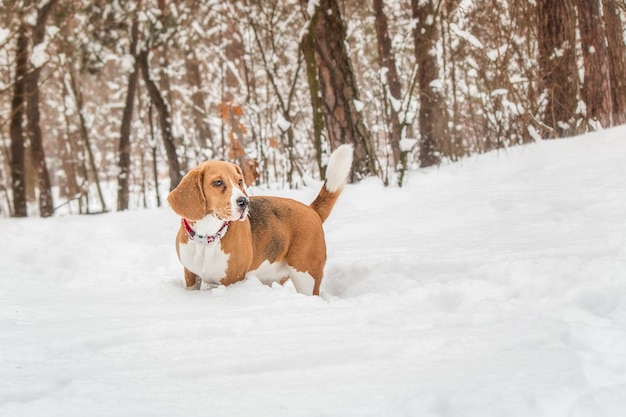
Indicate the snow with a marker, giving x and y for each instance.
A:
(494, 54)
(473, 40)
(282, 123)
(490, 287)
(39, 55)
(534, 134)
(127, 63)
(436, 84)
(4, 35)
(499, 92)
(581, 108)
(406, 144)
(311, 6)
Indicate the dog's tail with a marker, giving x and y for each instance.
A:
(337, 173)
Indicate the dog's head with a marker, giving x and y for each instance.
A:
(212, 188)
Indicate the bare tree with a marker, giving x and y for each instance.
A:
(431, 112)
(557, 63)
(271, 67)
(69, 186)
(317, 105)
(86, 141)
(165, 121)
(596, 89)
(18, 166)
(392, 86)
(203, 134)
(46, 207)
(127, 117)
(617, 58)
(344, 121)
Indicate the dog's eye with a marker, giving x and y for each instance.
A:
(218, 183)
(241, 183)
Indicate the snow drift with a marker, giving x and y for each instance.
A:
(495, 286)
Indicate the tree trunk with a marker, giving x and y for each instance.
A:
(46, 207)
(393, 88)
(153, 151)
(127, 117)
(455, 135)
(164, 120)
(617, 59)
(18, 166)
(86, 142)
(557, 65)
(431, 112)
(160, 53)
(203, 134)
(76, 173)
(70, 188)
(597, 82)
(308, 51)
(344, 122)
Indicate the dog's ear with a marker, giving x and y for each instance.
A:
(246, 175)
(187, 199)
(239, 172)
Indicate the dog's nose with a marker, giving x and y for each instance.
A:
(242, 202)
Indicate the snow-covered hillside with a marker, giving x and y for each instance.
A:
(491, 287)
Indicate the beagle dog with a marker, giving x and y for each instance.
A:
(225, 235)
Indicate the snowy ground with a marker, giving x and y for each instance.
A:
(491, 287)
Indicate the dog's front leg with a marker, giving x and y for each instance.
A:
(192, 281)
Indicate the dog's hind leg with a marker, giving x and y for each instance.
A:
(304, 282)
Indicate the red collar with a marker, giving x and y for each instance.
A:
(204, 239)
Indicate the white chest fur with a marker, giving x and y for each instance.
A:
(209, 262)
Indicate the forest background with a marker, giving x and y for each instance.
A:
(106, 104)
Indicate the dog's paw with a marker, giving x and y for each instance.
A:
(193, 287)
